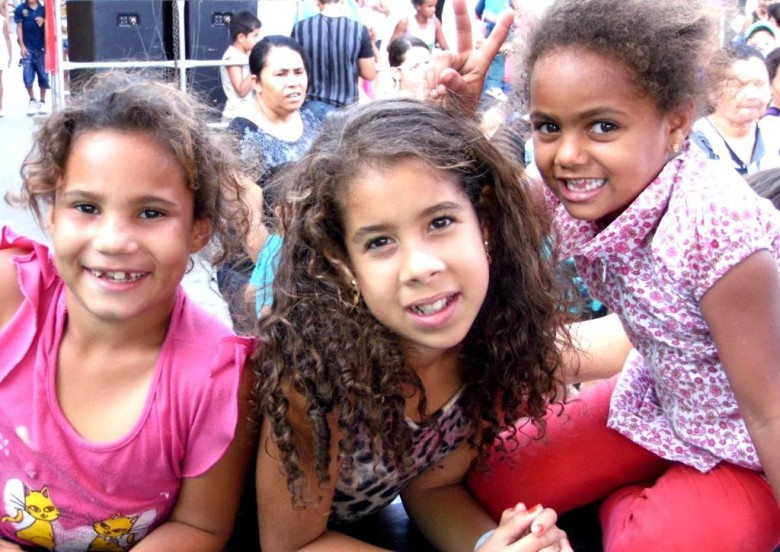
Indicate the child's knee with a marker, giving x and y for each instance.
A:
(649, 519)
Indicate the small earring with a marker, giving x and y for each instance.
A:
(676, 147)
(487, 252)
(355, 293)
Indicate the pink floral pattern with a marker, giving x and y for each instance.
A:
(652, 266)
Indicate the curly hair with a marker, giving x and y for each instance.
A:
(347, 366)
(130, 102)
(664, 45)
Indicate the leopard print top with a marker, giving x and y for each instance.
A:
(374, 481)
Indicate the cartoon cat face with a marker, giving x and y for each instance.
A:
(39, 505)
(115, 526)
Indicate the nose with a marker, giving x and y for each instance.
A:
(571, 150)
(421, 262)
(114, 235)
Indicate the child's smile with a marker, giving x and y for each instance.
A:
(598, 143)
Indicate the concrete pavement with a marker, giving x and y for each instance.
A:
(16, 131)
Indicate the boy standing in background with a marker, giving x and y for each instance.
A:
(236, 79)
(30, 16)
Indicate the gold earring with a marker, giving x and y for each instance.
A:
(487, 252)
(355, 293)
(676, 147)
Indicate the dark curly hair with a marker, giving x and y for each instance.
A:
(338, 358)
(132, 102)
(664, 45)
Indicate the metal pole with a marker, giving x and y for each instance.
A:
(59, 82)
(182, 46)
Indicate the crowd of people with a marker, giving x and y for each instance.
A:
(406, 323)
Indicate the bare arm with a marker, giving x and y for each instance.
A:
(241, 84)
(400, 29)
(203, 517)
(20, 40)
(7, 40)
(452, 520)
(601, 347)
(441, 40)
(258, 232)
(367, 68)
(284, 528)
(742, 310)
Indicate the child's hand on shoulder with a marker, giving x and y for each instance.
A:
(523, 530)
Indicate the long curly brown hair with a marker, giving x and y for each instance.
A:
(339, 358)
(132, 102)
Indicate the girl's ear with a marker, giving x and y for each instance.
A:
(680, 122)
(201, 234)
(485, 233)
(49, 218)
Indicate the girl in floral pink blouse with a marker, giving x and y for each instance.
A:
(682, 445)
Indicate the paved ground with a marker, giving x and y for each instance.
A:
(16, 131)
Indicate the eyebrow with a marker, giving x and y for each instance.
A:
(364, 231)
(143, 200)
(589, 114)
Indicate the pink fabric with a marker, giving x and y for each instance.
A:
(187, 423)
(652, 266)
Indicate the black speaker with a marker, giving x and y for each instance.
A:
(208, 36)
(116, 30)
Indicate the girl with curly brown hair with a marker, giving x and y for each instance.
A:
(415, 317)
(123, 403)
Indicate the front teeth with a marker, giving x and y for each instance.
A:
(117, 276)
(432, 308)
(584, 184)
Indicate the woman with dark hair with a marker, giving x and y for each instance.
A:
(274, 129)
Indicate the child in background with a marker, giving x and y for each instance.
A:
(682, 445)
(122, 403)
(423, 24)
(259, 292)
(408, 58)
(414, 318)
(237, 81)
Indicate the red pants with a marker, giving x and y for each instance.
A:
(649, 503)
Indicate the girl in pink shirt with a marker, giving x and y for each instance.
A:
(121, 402)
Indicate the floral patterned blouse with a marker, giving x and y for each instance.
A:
(652, 266)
